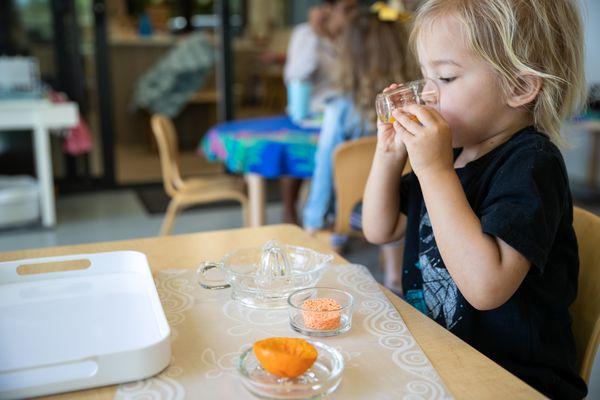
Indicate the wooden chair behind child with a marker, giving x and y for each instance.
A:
(352, 164)
(586, 308)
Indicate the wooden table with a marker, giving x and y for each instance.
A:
(466, 372)
(262, 148)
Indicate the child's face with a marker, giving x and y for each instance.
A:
(471, 99)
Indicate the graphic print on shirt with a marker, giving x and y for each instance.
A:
(439, 290)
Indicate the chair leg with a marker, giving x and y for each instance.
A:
(245, 212)
(169, 218)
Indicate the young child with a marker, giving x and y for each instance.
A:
(490, 249)
(308, 72)
(372, 53)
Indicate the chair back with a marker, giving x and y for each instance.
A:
(166, 139)
(351, 166)
(586, 308)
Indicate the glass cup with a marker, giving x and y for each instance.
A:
(299, 93)
(423, 92)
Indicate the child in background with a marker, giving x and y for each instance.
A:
(490, 252)
(372, 53)
(310, 57)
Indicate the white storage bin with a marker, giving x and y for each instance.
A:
(19, 200)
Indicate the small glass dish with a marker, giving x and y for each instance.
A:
(321, 379)
(312, 313)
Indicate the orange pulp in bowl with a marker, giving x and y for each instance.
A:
(285, 357)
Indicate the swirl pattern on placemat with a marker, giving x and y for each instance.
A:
(382, 320)
(174, 290)
(224, 364)
(162, 386)
(210, 331)
(246, 319)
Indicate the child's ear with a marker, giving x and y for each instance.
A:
(528, 89)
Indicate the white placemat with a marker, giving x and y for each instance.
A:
(209, 331)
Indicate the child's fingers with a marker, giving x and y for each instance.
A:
(405, 135)
(383, 126)
(402, 131)
(391, 87)
(407, 122)
(423, 114)
(436, 114)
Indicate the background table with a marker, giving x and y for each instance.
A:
(40, 116)
(262, 148)
(467, 373)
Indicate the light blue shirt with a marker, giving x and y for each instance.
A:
(341, 122)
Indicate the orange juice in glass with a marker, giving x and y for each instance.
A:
(423, 92)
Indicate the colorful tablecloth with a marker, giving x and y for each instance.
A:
(271, 147)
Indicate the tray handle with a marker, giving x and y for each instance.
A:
(14, 381)
(45, 267)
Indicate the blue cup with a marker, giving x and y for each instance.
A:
(298, 100)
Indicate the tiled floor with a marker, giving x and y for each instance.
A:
(115, 215)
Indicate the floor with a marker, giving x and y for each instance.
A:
(139, 164)
(119, 215)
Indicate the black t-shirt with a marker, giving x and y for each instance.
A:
(520, 193)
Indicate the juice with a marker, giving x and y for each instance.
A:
(391, 119)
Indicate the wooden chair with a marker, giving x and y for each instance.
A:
(352, 163)
(586, 308)
(190, 191)
(351, 166)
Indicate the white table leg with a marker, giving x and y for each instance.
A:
(256, 198)
(43, 166)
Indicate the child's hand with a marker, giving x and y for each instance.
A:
(388, 142)
(429, 143)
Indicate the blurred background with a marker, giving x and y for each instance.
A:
(113, 59)
(111, 64)
(118, 61)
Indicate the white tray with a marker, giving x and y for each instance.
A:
(70, 330)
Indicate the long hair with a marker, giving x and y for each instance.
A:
(515, 37)
(373, 54)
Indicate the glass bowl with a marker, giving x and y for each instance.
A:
(258, 278)
(320, 311)
(321, 379)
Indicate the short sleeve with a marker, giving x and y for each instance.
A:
(525, 203)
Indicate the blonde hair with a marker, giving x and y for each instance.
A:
(542, 38)
(373, 54)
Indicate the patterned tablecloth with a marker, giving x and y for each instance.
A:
(271, 147)
(209, 331)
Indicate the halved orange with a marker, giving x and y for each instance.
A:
(285, 357)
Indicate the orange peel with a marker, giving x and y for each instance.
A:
(285, 357)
